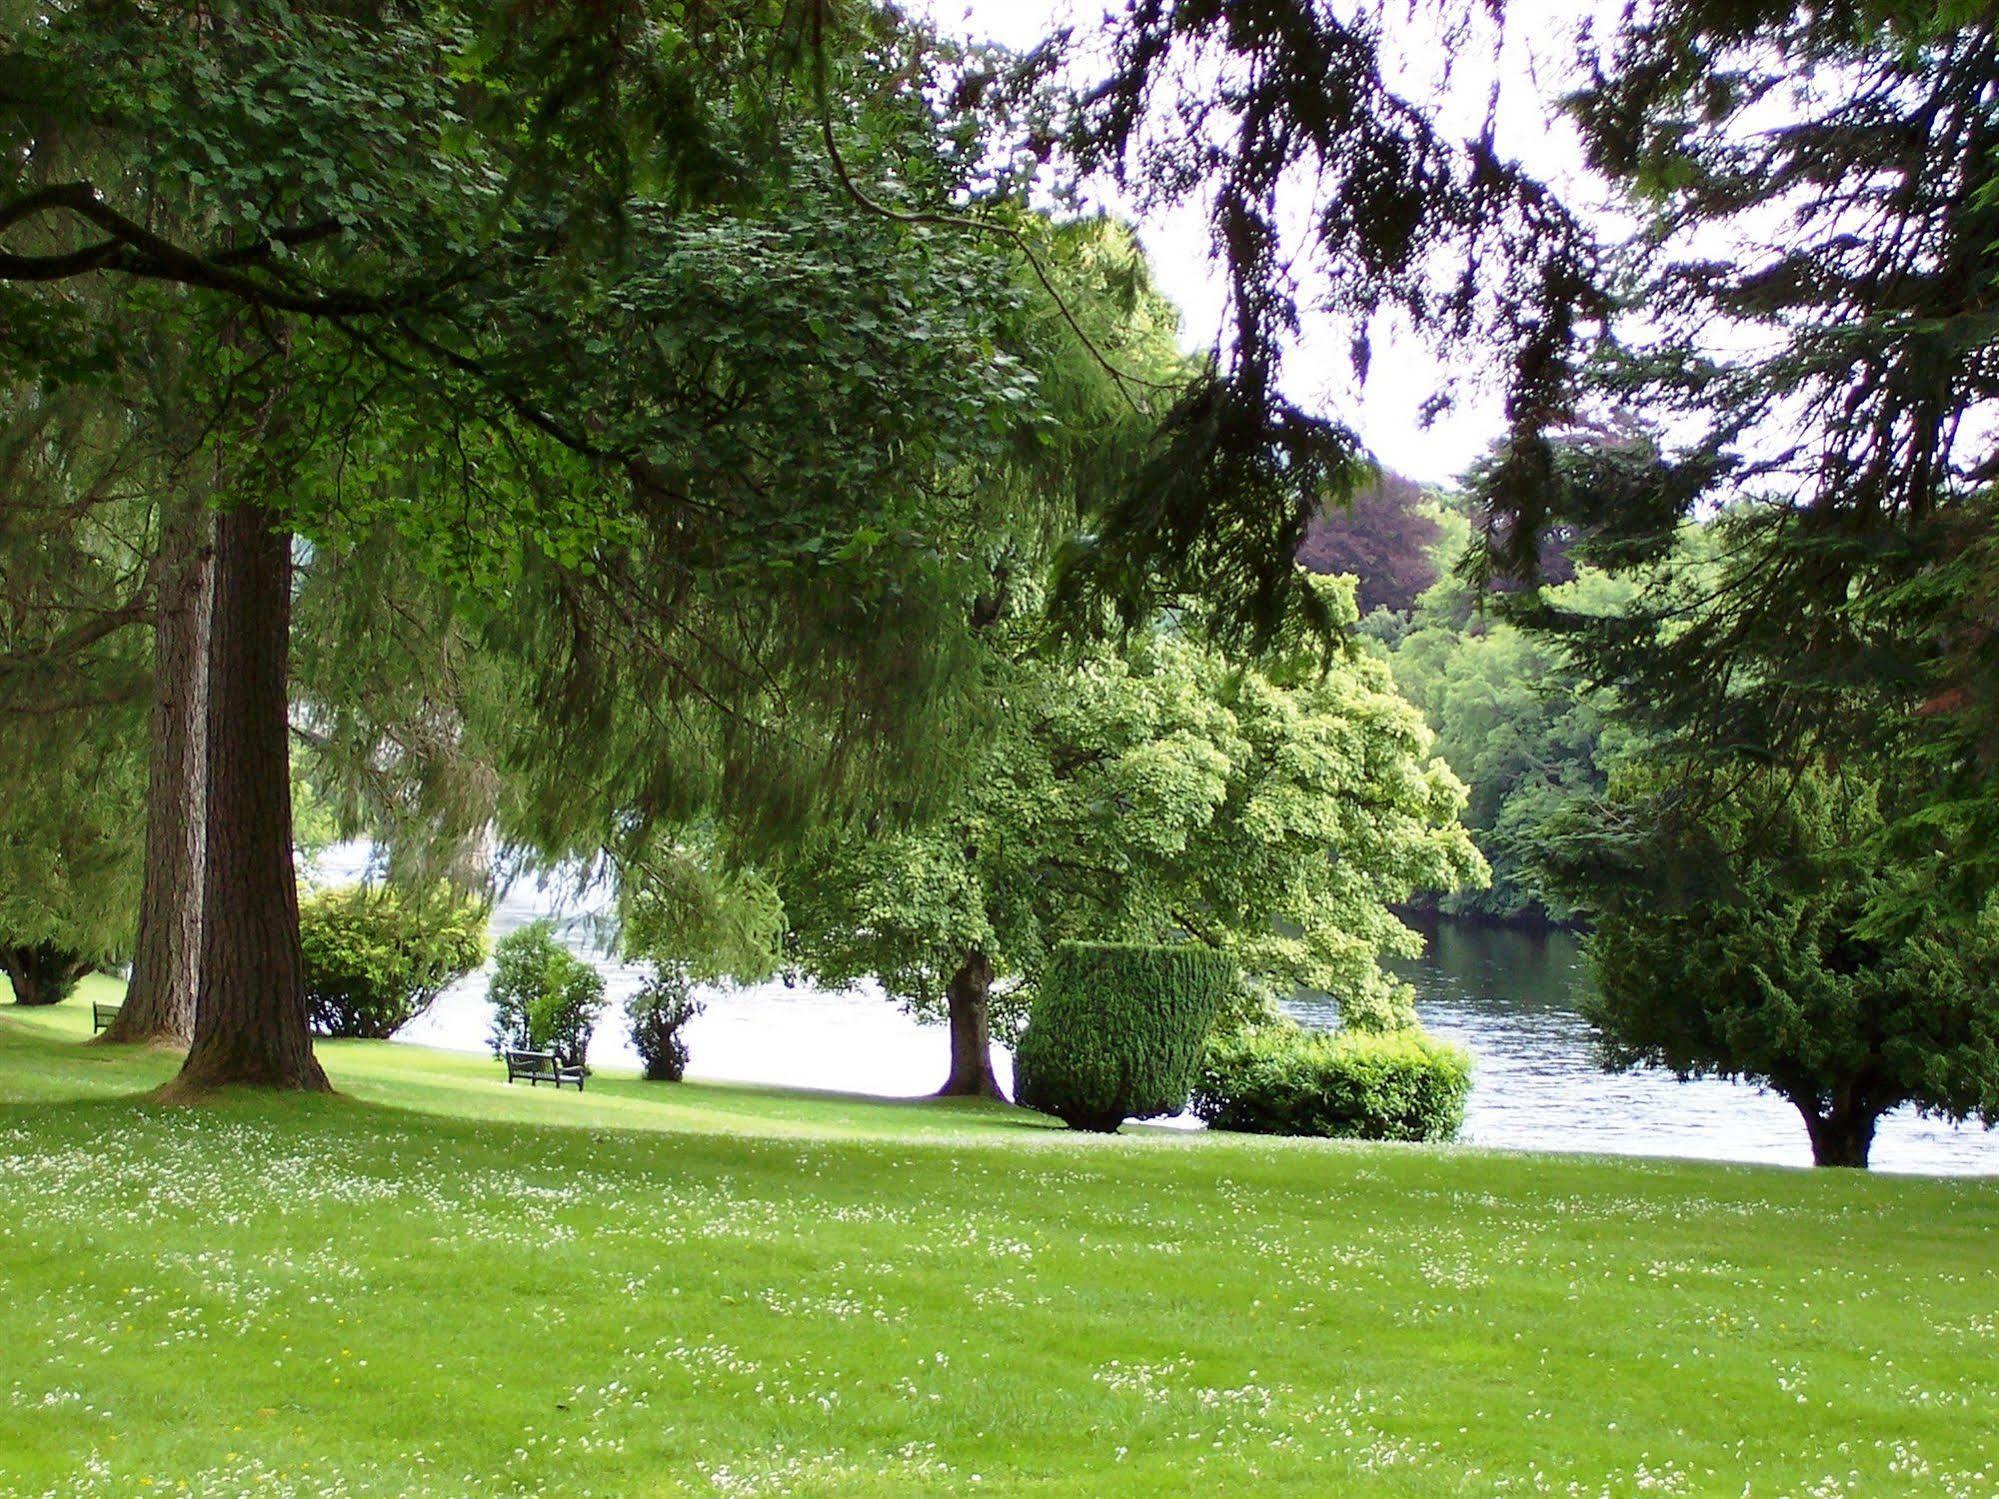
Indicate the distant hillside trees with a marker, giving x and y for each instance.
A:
(1512, 719)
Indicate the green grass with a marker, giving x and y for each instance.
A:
(437, 1284)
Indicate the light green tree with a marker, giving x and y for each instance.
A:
(1158, 791)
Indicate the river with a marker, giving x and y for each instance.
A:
(1508, 997)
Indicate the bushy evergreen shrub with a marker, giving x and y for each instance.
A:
(1365, 1085)
(375, 960)
(1116, 1031)
(41, 972)
(544, 997)
(659, 1010)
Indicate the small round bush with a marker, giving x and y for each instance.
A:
(1116, 1031)
(659, 1010)
(1363, 1085)
(544, 997)
(375, 960)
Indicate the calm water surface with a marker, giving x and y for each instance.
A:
(1508, 997)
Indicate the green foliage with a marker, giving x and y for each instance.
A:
(72, 832)
(1117, 1031)
(73, 674)
(682, 906)
(1285, 1080)
(544, 997)
(376, 959)
(659, 1010)
(1516, 723)
(1733, 939)
(1820, 375)
(41, 973)
(1150, 792)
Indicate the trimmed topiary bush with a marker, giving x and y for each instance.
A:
(374, 961)
(659, 1010)
(1116, 1032)
(1363, 1085)
(544, 997)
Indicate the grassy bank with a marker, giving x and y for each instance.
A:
(434, 1283)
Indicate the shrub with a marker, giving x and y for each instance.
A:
(544, 997)
(375, 961)
(659, 1010)
(1116, 1032)
(1363, 1085)
(41, 972)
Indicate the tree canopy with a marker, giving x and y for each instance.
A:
(1150, 792)
(1807, 319)
(1731, 939)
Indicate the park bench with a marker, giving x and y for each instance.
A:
(101, 1015)
(540, 1067)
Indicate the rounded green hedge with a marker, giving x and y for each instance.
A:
(375, 960)
(1362, 1085)
(1117, 1030)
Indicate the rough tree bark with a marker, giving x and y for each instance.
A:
(250, 1013)
(159, 1001)
(969, 995)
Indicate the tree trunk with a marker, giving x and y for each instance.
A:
(159, 1001)
(971, 1034)
(1842, 1136)
(42, 973)
(250, 1015)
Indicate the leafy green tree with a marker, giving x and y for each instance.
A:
(544, 997)
(1732, 939)
(1155, 792)
(659, 1011)
(71, 838)
(682, 328)
(374, 960)
(72, 686)
(1514, 719)
(639, 345)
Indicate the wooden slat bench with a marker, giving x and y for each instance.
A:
(101, 1015)
(540, 1067)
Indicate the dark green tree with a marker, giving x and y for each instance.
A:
(1811, 302)
(579, 308)
(1732, 939)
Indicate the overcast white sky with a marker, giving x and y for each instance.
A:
(1538, 50)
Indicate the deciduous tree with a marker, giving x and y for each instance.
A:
(1156, 792)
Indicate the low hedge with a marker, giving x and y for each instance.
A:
(1116, 1031)
(375, 960)
(1363, 1085)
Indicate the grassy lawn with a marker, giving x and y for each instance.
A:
(437, 1284)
